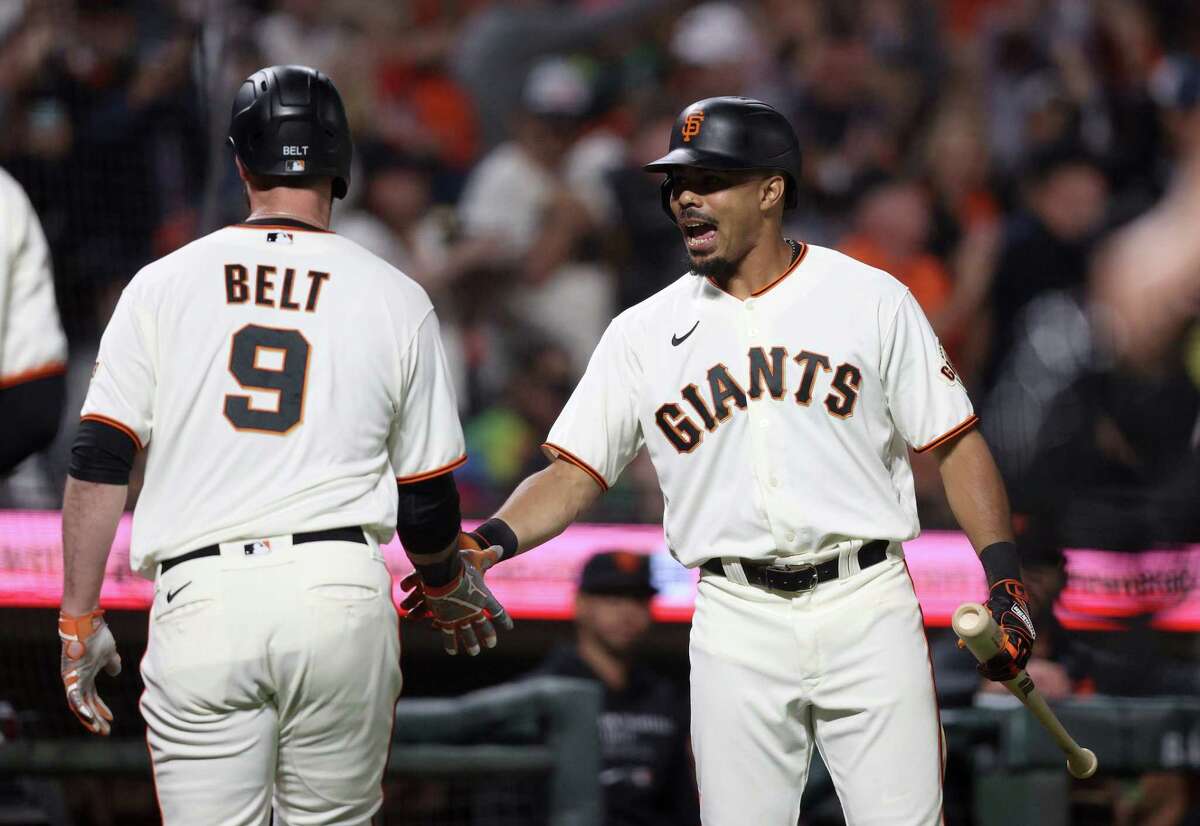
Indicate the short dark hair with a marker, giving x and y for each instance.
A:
(264, 182)
(1045, 161)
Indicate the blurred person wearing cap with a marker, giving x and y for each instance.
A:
(647, 772)
(716, 47)
(534, 198)
(499, 45)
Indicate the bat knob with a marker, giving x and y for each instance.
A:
(1082, 764)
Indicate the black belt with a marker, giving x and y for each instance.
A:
(331, 535)
(803, 577)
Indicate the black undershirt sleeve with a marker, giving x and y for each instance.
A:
(429, 518)
(101, 453)
(29, 415)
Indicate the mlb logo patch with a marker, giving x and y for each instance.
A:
(258, 547)
(294, 165)
(279, 238)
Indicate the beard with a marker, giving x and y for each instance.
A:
(720, 270)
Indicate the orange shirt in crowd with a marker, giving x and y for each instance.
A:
(922, 273)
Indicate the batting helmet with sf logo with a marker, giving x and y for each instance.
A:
(732, 133)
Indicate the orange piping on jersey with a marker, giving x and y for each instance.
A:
(285, 228)
(124, 428)
(969, 423)
(429, 474)
(54, 368)
(791, 269)
(567, 456)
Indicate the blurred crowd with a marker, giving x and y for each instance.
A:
(981, 151)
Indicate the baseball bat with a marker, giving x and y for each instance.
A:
(975, 627)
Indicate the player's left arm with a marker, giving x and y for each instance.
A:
(979, 501)
(932, 410)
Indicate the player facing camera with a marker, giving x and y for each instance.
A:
(731, 171)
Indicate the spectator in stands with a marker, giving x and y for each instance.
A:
(647, 772)
(527, 194)
(500, 45)
(890, 231)
(717, 49)
(648, 255)
(1047, 243)
(397, 221)
(504, 441)
(304, 31)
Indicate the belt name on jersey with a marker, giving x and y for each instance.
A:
(766, 376)
(240, 290)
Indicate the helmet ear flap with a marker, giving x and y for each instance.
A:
(665, 191)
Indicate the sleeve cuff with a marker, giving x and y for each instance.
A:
(56, 368)
(429, 474)
(951, 434)
(553, 451)
(121, 426)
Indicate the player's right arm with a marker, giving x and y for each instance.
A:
(596, 435)
(117, 422)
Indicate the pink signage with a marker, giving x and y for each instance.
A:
(1103, 587)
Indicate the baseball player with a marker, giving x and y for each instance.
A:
(292, 395)
(778, 387)
(33, 349)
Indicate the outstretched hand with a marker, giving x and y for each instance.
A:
(464, 610)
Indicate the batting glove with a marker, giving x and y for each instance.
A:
(87, 646)
(464, 609)
(1009, 606)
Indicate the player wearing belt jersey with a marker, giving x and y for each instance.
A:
(292, 394)
(777, 388)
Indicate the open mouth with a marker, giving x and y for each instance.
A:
(700, 235)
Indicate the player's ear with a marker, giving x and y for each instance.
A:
(771, 192)
(241, 168)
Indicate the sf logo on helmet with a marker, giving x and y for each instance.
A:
(691, 125)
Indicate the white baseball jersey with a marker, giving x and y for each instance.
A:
(282, 380)
(32, 343)
(778, 425)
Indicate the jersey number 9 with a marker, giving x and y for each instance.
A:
(273, 361)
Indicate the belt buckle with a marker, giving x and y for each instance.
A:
(796, 578)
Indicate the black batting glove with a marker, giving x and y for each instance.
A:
(1009, 606)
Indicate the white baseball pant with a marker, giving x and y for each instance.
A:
(271, 683)
(844, 667)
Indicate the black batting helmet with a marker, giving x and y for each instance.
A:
(732, 133)
(289, 121)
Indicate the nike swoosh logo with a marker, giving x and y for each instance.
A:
(677, 340)
(172, 594)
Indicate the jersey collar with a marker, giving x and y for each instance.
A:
(774, 282)
(281, 223)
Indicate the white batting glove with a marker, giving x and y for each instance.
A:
(87, 646)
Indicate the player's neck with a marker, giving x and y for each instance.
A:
(294, 204)
(612, 669)
(765, 262)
